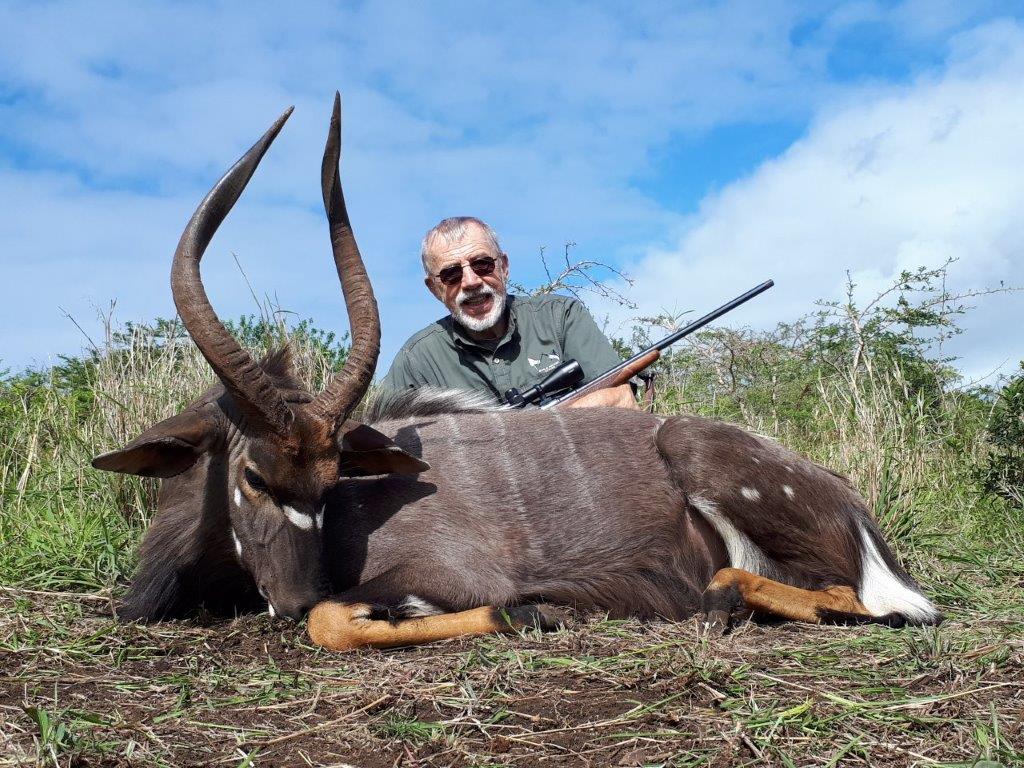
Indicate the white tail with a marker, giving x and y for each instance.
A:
(883, 592)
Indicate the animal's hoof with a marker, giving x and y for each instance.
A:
(551, 618)
(541, 616)
(716, 622)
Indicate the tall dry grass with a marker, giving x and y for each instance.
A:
(62, 523)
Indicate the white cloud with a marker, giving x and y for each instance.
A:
(884, 180)
(544, 118)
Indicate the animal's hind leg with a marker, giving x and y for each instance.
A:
(345, 626)
(733, 589)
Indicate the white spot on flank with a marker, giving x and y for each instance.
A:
(743, 553)
(756, 460)
(270, 610)
(751, 494)
(789, 468)
(238, 498)
(320, 517)
(882, 591)
(296, 518)
(238, 544)
(413, 606)
(788, 490)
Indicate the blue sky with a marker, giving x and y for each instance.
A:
(701, 147)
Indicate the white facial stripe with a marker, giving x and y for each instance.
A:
(296, 518)
(238, 497)
(320, 517)
(238, 544)
(270, 610)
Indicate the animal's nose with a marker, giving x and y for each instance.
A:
(295, 609)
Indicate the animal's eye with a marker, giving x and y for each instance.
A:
(256, 482)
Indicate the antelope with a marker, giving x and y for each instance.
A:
(433, 516)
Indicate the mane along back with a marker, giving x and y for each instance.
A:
(384, 405)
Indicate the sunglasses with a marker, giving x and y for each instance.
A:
(481, 265)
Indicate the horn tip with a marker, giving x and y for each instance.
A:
(279, 124)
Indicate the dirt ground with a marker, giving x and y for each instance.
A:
(79, 689)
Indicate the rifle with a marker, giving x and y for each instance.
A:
(569, 373)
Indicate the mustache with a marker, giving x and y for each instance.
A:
(484, 290)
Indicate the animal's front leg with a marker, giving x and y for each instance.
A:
(343, 626)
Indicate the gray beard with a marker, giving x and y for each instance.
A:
(480, 324)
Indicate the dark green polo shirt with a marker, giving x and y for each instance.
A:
(542, 332)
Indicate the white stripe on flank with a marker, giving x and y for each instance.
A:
(882, 591)
(296, 518)
(504, 451)
(743, 553)
(460, 467)
(751, 494)
(576, 468)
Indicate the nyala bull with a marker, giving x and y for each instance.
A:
(433, 517)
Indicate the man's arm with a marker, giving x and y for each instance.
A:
(617, 397)
(584, 341)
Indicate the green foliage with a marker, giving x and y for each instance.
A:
(259, 332)
(780, 374)
(1003, 475)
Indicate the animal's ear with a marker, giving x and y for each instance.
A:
(365, 451)
(164, 450)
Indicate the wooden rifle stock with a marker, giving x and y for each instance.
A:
(613, 378)
(623, 372)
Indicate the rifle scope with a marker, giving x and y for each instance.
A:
(567, 375)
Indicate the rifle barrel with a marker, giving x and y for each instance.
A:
(666, 342)
(710, 317)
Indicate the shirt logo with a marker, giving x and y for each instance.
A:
(550, 358)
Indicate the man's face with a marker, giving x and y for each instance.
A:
(475, 301)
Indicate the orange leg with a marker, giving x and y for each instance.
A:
(345, 626)
(733, 588)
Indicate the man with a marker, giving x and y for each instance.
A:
(493, 341)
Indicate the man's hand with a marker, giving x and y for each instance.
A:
(616, 397)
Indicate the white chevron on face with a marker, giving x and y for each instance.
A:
(296, 518)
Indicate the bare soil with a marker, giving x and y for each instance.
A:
(253, 691)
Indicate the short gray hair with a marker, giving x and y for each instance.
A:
(453, 229)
